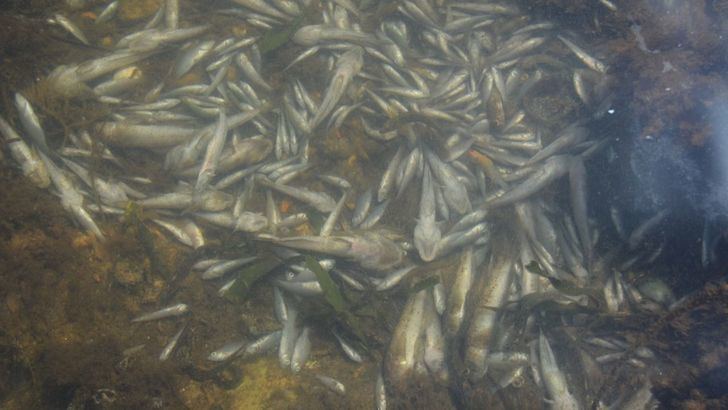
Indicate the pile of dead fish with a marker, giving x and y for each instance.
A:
(484, 117)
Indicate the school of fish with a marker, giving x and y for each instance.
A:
(447, 88)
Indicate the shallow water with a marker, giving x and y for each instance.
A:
(68, 298)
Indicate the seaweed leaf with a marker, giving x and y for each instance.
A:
(251, 274)
(274, 39)
(335, 299)
(331, 291)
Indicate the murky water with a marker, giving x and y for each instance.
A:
(532, 205)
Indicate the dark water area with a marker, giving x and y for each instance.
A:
(660, 148)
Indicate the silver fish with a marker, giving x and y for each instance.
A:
(30, 122)
(171, 311)
(347, 66)
(172, 344)
(227, 351)
(426, 232)
(30, 163)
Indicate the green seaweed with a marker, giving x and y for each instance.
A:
(251, 274)
(335, 299)
(276, 38)
(331, 291)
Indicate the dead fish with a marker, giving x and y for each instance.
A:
(172, 344)
(171, 311)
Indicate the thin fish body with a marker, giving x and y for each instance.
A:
(363, 203)
(262, 7)
(243, 61)
(409, 168)
(30, 122)
(172, 344)
(288, 339)
(407, 337)
(301, 350)
(184, 231)
(638, 234)
(30, 163)
(350, 352)
(491, 294)
(426, 232)
(347, 66)
(171, 311)
(454, 192)
(130, 135)
(212, 201)
(389, 177)
(192, 56)
(223, 268)
(71, 198)
(458, 296)
(319, 200)
(370, 249)
(553, 378)
(332, 384)
(314, 35)
(394, 278)
(380, 392)
(171, 14)
(227, 351)
(554, 168)
(212, 154)
(587, 59)
(456, 240)
(71, 27)
(570, 136)
(263, 344)
(108, 13)
(577, 184)
(332, 219)
(308, 289)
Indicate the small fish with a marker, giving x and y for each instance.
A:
(319, 200)
(427, 233)
(314, 35)
(350, 352)
(389, 177)
(587, 59)
(227, 351)
(288, 338)
(645, 228)
(30, 122)
(193, 55)
(212, 155)
(171, 14)
(301, 350)
(380, 392)
(30, 163)
(108, 13)
(220, 269)
(362, 207)
(332, 384)
(332, 219)
(71, 27)
(169, 348)
(554, 379)
(175, 310)
(347, 66)
(552, 169)
(263, 344)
